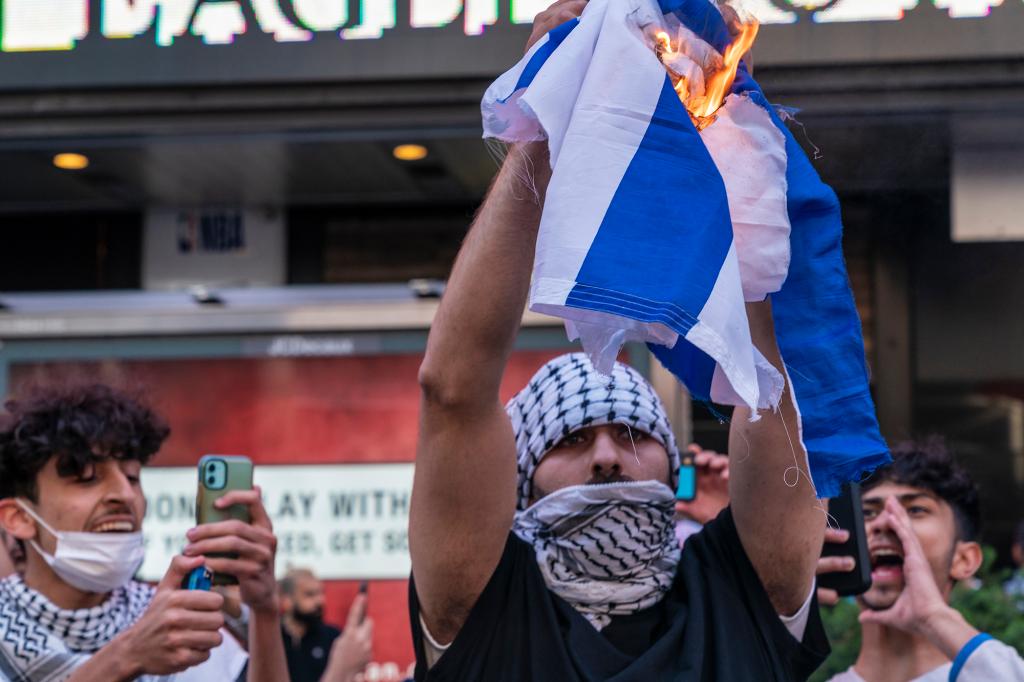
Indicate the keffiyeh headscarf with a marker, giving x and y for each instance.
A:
(40, 642)
(607, 549)
(568, 394)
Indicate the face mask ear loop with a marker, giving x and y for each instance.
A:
(38, 519)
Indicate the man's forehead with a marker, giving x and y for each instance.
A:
(879, 493)
(306, 580)
(309, 584)
(95, 459)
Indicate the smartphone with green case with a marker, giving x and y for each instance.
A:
(219, 475)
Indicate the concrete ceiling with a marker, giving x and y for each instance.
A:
(241, 170)
(320, 169)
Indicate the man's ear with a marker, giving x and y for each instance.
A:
(15, 521)
(967, 558)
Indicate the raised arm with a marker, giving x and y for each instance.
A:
(780, 522)
(463, 494)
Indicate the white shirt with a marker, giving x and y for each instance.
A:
(992, 661)
(940, 674)
(224, 664)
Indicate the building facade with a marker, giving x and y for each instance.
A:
(322, 149)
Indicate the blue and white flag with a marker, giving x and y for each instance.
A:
(653, 231)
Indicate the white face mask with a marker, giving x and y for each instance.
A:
(92, 562)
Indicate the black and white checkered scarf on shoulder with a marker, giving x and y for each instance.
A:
(40, 642)
(607, 549)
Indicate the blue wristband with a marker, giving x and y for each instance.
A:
(965, 653)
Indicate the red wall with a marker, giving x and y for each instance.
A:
(288, 411)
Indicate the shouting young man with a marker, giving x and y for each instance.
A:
(70, 488)
(922, 520)
(542, 537)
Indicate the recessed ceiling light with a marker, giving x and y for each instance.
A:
(71, 161)
(410, 152)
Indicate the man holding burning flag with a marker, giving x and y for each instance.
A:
(542, 532)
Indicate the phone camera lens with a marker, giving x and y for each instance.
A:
(211, 480)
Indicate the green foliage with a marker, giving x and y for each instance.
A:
(983, 604)
(987, 608)
(843, 631)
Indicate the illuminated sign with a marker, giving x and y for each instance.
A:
(54, 25)
(59, 24)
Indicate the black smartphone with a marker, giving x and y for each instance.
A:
(847, 512)
(364, 588)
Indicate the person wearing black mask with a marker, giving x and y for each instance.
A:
(315, 650)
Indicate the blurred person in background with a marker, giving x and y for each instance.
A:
(922, 520)
(1014, 587)
(71, 462)
(315, 650)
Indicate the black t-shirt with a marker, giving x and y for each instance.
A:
(716, 624)
(307, 659)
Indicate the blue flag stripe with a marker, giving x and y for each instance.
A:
(819, 334)
(686, 218)
(695, 368)
(702, 18)
(816, 321)
(554, 39)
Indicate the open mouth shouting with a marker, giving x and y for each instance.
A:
(886, 563)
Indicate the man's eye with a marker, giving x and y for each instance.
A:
(632, 434)
(570, 440)
(870, 513)
(87, 474)
(916, 511)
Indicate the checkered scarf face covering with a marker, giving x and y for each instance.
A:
(606, 549)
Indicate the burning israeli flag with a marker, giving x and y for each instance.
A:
(677, 194)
